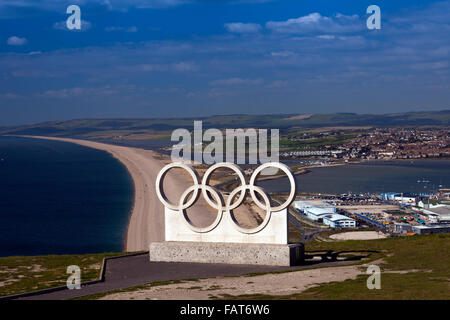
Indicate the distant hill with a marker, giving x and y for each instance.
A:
(99, 127)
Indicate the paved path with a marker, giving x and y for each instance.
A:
(135, 270)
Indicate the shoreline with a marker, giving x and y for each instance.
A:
(144, 223)
(301, 171)
(306, 169)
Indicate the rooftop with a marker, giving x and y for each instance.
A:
(445, 210)
(336, 217)
(314, 203)
(321, 211)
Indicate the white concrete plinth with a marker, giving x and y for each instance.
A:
(275, 231)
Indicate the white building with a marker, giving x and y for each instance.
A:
(303, 205)
(326, 213)
(405, 199)
(315, 213)
(338, 221)
(400, 197)
(438, 214)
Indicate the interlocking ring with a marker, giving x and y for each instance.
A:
(213, 168)
(266, 200)
(216, 195)
(219, 204)
(159, 184)
(288, 173)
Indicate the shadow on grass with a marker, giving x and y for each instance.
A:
(317, 257)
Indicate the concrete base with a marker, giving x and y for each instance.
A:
(229, 253)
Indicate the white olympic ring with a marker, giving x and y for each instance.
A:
(219, 204)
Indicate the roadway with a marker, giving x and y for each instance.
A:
(129, 271)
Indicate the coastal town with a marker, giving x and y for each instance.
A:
(376, 144)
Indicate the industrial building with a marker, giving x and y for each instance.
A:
(324, 213)
(404, 198)
(437, 214)
(303, 204)
(444, 193)
(428, 229)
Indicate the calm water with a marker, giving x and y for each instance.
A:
(372, 177)
(58, 197)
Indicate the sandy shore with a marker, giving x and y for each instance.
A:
(300, 171)
(146, 222)
(358, 235)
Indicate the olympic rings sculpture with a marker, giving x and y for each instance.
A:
(219, 204)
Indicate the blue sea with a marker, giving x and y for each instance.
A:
(61, 198)
(422, 176)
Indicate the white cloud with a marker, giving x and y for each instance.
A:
(282, 54)
(151, 3)
(315, 22)
(305, 68)
(109, 4)
(10, 96)
(16, 41)
(216, 92)
(326, 37)
(238, 27)
(62, 25)
(278, 84)
(235, 81)
(146, 67)
(184, 66)
(124, 29)
(78, 92)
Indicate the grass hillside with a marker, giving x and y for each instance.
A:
(97, 127)
(24, 274)
(415, 267)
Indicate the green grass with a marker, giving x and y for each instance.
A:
(24, 274)
(410, 286)
(427, 258)
(92, 127)
(293, 145)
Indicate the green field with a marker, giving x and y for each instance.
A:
(313, 144)
(25, 274)
(92, 128)
(415, 267)
(425, 261)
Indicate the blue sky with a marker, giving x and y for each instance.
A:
(176, 58)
